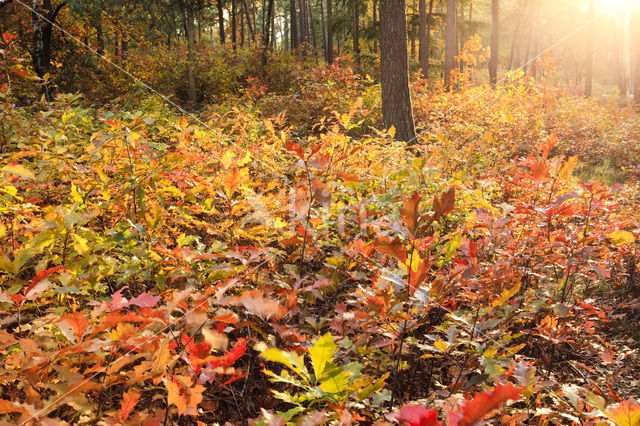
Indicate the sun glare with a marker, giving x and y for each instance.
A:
(622, 5)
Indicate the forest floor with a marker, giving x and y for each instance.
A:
(276, 258)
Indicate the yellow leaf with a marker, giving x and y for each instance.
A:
(621, 237)
(439, 344)
(567, 167)
(19, 171)
(392, 131)
(506, 295)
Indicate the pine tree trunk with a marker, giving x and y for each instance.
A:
(394, 70)
(375, 23)
(588, 82)
(423, 51)
(220, 21)
(495, 43)
(329, 47)
(450, 43)
(187, 16)
(234, 24)
(355, 30)
(293, 20)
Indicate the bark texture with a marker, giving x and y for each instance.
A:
(394, 70)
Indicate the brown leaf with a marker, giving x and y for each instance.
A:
(444, 204)
(393, 248)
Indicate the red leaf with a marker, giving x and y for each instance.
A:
(410, 212)
(417, 415)
(41, 276)
(482, 404)
(145, 300)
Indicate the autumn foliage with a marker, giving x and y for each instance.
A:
(250, 265)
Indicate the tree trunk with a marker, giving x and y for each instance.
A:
(536, 29)
(412, 35)
(588, 82)
(187, 16)
(293, 20)
(220, 20)
(265, 36)
(515, 38)
(125, 48)
(423, 52)
(37, 55)
(375, 24)
(234, 25)
(495, 43)
(450, 43)
(394, 69)
(312, 28)
(100, 37)
(250, 26)
(304, 23)
(355, 30)
(329, 47)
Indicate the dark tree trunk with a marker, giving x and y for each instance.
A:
(265, 36)
(37, 55)
(125, 48)
(100, 37)
(412, 35)
(495, 42)
(187, 18)
(42, 38)
(304, 23)
(355, 27)
(250, 26)
(293, 22)
(312, 27)
(220, 20)
(329, 47)
(234, 25)
(375, 23)
(450, 43)
(241, 28)
(423, 52)
(323, 23)
(394, 70)
(588, 82)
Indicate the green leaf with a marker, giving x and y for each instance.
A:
(321, 353)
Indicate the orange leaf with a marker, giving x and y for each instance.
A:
(444, 204)
(627, 413)
(184, 395)
(233, 179)
(539, 170)
(129, 401)
(78, 323)
(409, 212)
